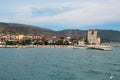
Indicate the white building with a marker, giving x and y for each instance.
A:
(93, 37)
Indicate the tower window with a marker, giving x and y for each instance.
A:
(92, 32)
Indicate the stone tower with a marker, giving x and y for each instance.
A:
(93, 37)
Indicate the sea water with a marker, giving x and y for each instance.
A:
(59, 64)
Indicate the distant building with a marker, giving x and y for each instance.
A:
(54, 36)
(81, 42)
(93, 37)
(20, 37)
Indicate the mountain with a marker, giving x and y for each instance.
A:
(109, 35)
(106, 35)
(14, 28)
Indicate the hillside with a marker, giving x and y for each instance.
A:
(13, 28)
(106, 35)
(24, 29)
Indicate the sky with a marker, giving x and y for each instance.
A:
(62, 14)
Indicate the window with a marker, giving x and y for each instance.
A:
(92, 32)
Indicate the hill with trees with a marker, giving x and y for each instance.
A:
(14, 28)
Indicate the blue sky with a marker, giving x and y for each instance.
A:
(63, 14)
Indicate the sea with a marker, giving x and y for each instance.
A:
(59, 64)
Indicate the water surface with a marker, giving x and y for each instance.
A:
(59, 64)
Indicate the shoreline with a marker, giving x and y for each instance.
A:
(49, 46)
(38, 46)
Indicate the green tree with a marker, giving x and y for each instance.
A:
(59, 42)
(11, 42)
(66, 42)
(28, 41)
(37, 43)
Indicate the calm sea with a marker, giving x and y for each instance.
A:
(59, 64)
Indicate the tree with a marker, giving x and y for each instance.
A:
(37, 43)
(66, 42)
(11, 42)
(28, 41)
(59, 42)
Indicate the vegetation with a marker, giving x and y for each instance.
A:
(13, 28)
(60, 41)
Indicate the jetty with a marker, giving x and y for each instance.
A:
(100, 47)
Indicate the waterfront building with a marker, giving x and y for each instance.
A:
(93, 37)
(20, 37)
(81, 42)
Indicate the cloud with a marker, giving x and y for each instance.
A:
(73, 14)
